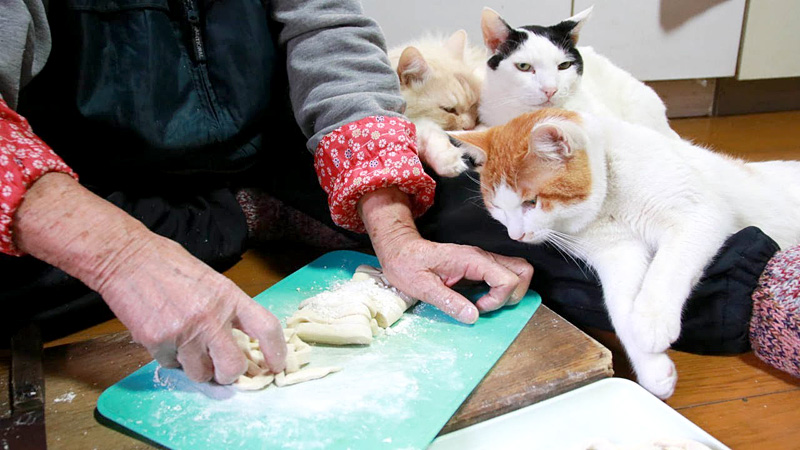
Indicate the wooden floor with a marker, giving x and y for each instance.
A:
(738, 399)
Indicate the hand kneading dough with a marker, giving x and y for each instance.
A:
(258, 375)
(351, 313)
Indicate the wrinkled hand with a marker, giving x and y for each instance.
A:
(180, 309)
(427, 270)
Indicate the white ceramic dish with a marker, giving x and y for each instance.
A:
(613, 410)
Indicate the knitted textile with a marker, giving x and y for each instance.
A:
(775, 324)
(269, 220)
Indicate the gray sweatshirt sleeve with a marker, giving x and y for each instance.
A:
(24, 45)
(337, 65)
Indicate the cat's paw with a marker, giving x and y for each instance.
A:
(441, 155)
(448, 165)
(656, 373)
(654, 329)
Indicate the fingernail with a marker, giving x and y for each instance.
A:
(468, 315)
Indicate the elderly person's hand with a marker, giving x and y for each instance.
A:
(180, 309)
(426, 270)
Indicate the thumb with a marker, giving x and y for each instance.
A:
(430, 289)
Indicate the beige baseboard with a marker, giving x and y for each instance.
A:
(756, 96)
(686, 98)
(727, 96)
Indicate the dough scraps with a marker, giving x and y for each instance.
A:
(258, 376)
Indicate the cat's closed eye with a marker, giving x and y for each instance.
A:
(448, 110)
(524, 67)
(565, 65)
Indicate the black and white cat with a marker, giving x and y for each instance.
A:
(534, 67)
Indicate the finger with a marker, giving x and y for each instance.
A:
(502, 281)
(228, 360)
(524, 271)
(259, 323)
(430, 289)
(166, 355)
(193, 357)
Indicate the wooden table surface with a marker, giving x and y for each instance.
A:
(549, 357)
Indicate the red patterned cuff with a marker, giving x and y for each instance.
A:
(366, 155)
(23, 159)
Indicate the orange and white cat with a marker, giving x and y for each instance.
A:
(647, 212)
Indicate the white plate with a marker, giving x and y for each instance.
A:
(613, 410)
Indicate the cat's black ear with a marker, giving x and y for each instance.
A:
(412, 67)
(574, 24)
(495, 29)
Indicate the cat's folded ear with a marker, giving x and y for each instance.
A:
(412, 67)
(576, 22)
(474, 144)
(495, 29)
(556, 141)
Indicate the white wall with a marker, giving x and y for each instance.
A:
(653, 39)
(405, 20)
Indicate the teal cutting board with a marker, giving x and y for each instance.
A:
(394, 394)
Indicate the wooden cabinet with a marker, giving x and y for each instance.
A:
(771, 40)
(667, 39)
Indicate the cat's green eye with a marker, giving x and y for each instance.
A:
(448, 110)
(565, 65)
(525, 67)
(532, 202)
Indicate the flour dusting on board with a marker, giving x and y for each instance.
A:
(374, 384)
(396, 393)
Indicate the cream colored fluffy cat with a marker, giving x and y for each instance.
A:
(440, 78)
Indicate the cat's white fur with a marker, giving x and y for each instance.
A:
(658, 212)
(603, 89)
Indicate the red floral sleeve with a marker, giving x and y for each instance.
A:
(368, 154)
(23, 159)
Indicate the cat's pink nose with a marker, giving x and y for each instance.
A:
(550, 92)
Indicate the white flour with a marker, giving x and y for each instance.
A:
(375, 388)
(394, 394)
(65, 398)
(328, 303)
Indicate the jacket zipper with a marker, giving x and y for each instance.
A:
(193, 17)
(199, 54)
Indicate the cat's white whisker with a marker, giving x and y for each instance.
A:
(561, 248)
(477, 181)
(569, 244)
